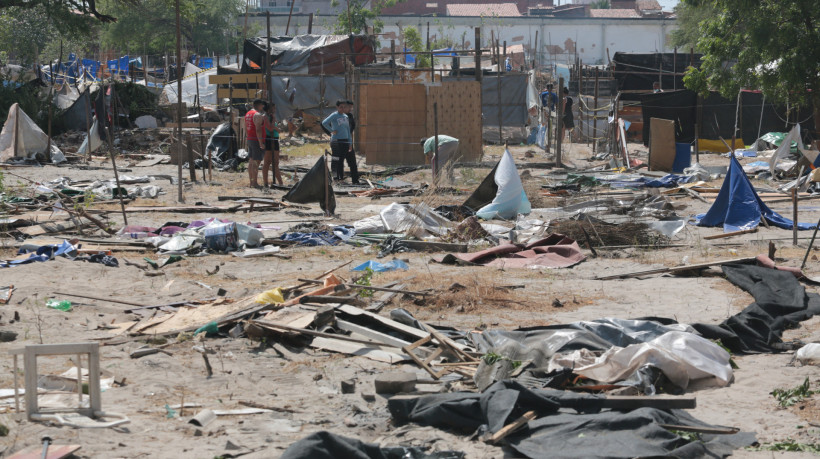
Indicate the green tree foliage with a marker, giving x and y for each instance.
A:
(29, 33)
(412, 41)
(689, 17)
(600, 5)
(67, 14)
(355, 17)
(150, 27)
(767, 44)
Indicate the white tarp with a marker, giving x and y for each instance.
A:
(190, 69)
(31, 140)
(418, 220)
(207, 91)
(510, 200)
(683, 357)
(94, 137)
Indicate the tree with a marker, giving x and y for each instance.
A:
(689, 17)
(600, 5)
(355, 16)
(26, 32)
(412, 41)
(764, 44)
(67, 12)
(150, 27)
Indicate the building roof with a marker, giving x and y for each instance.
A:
(613, 13)
(647, 5)
(483, 9)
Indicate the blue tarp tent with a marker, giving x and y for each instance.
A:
(738, 207)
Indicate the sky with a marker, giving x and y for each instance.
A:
(668, 4)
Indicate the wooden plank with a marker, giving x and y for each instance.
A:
(661, 144)
(459, 115)
(733, 233)
(48, 228)
(371, 334)
(242, 78)
(389, 323)
(678, 268)
(206, 125)
(661, 402)
(248, 94)
(510, 428)
(387, 355)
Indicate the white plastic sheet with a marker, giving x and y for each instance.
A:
(683, 357)
(30, 139)
(510, 200)
(92, 138)
(418, 220)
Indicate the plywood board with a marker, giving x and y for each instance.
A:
(225, 93)
(393, 119)
(241, 78)
(661, 144)
(459, 115)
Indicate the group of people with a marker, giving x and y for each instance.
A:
(263, 142)
(549, 101)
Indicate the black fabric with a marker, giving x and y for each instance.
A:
(314, 188)
(679, 106)
(485, 193)
(101, 113)
(590, 431)
(326, 445)
(774, 118)
(718, 116)
(222, 143)
(780, 303)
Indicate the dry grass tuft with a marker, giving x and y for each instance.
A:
(628, 233)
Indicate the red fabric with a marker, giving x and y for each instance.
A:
(250, 128)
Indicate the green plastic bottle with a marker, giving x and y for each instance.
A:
(62, 305)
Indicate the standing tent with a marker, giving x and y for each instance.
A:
(22, 138)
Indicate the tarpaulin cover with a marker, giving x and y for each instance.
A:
(418, 220)
(327, 445)
(510, 198)
(309, 54)
(555, 251)
(780, 303)
(485, 193)
(380, 267)
(315, 186)
(313, 95)
(738, 207)
(92, 140)
(590, 431)
(22, 132)
(207, 91)
(785, 147)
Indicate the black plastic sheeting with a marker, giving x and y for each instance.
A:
(313, 188)
(326, 445)
(780, 303)
(718, 116)
(568, 425)
(485, 193)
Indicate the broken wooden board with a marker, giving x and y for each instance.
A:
(385, 354)
(153, 161)
(678, 268)
(49, 228)
(292, 316)
(410, 332)
(186, 317)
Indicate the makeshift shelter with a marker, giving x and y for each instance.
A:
(314, 187)
(738, 207)
(307, 54)
(207, 91)
(22, 138)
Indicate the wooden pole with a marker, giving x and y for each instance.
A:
(191, 165)
(559, 125)
(113, 160)
(428, 35)
(200, 113)
(88, 120)
(50, 111)
(145, 69)
(478, 54)
(180, 106)
(293, 2)
(595, 115)
(675, 70)
(435, 144)
(393, 61)
(537, 50)
(327, 188)
(794, 212)
(310, 23)
(498, 94)
(230, 112)
(268, 62)
(505, 55)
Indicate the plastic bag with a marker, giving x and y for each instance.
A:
(272, 296)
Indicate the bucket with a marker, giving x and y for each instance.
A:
(683, 157)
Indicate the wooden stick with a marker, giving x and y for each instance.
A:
(305, 284)
(677, 268)
(733, 233)
(510, 428)
(305, 331)
(794, 211)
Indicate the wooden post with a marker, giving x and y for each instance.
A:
(230, 111)
(478, 54)
(327, 188)
(580, 96)
(50, 110)
(537, 50)
(310, 23)
(293, 2)
(180, 198)
(191, 164)
(675, 70)
(697, 148)
(498, 93)
(559, 125)
(268, 62)
(435, 145)
(393, 61)
(432, 69)
(505, 56)
(113, 160)
(88, 120)
(199, 113)
(145, 69)
(428, 35)
(595, 115)
(794, 211)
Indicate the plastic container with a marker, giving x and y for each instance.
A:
(60, 305)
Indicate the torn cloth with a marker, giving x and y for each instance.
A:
(555, 251)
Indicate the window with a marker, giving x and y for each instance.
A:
(432, 5)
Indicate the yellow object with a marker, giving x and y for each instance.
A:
(717, 146)
(272, 296)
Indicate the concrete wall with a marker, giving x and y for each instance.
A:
(559, 37)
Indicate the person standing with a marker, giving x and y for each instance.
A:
(447, 150)
(351, 154)
(568, 119)
(271, 145)
(549, 99)
(255, 136)
(340, 145)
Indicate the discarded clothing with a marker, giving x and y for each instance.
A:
(315, 186)
(41, 254)
(378, 267)
(738, 207)
(591, 432)
(555, 251)
(780, 303)
(327, 445)
(510, 199)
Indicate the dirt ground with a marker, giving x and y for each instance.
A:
(303, 385)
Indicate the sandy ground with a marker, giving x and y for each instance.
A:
(304, 384)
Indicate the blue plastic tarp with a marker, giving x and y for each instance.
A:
(382, 267)
(43, 253)
(738, 207)
(667, 181)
